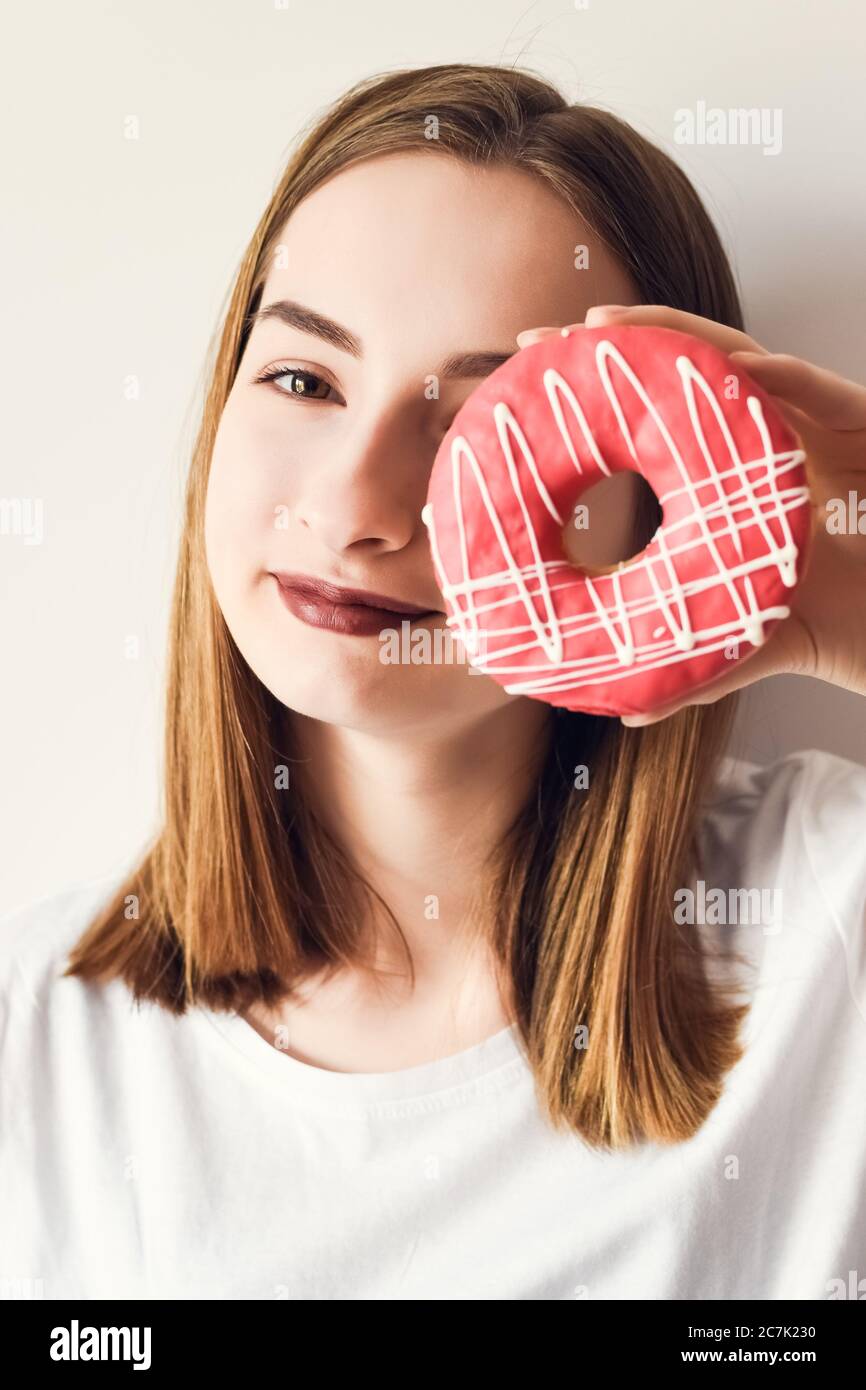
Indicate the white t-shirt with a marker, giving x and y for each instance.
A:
(148, 1156)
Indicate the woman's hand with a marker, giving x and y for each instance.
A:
(825, 635)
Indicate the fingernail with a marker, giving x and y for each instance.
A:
(526, 332)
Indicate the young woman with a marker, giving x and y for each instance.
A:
(391, 1007)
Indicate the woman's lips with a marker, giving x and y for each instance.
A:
(358, 619)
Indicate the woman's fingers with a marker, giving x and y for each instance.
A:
(656, 316)
(830, 400)
(535, 335)
(662, 316)
(640, 721)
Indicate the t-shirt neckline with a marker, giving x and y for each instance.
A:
(486, 1066)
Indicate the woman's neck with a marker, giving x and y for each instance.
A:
(419, 816)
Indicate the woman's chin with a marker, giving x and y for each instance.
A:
(378, 698)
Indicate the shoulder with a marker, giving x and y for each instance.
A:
(40, 1007)
(36, 937)
(805, 768)
(809, 802)
(794, 829)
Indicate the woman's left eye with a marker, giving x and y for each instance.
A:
(304, 386)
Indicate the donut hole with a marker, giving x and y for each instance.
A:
(613, 521)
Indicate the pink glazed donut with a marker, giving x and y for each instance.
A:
(709, 587)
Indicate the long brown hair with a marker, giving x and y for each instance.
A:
(243, 892)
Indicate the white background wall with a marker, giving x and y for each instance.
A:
(118, 255)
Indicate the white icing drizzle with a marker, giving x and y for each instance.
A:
(675, 639)
(553, 383)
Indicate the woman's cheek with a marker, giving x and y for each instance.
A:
(246, 494)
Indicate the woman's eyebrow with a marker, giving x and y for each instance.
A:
(298, 316)
(468, 364)
(295, 315)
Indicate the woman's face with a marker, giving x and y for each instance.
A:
(400, 263)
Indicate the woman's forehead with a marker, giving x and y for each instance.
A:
(426, 234)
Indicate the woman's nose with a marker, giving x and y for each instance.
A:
(371, 490)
